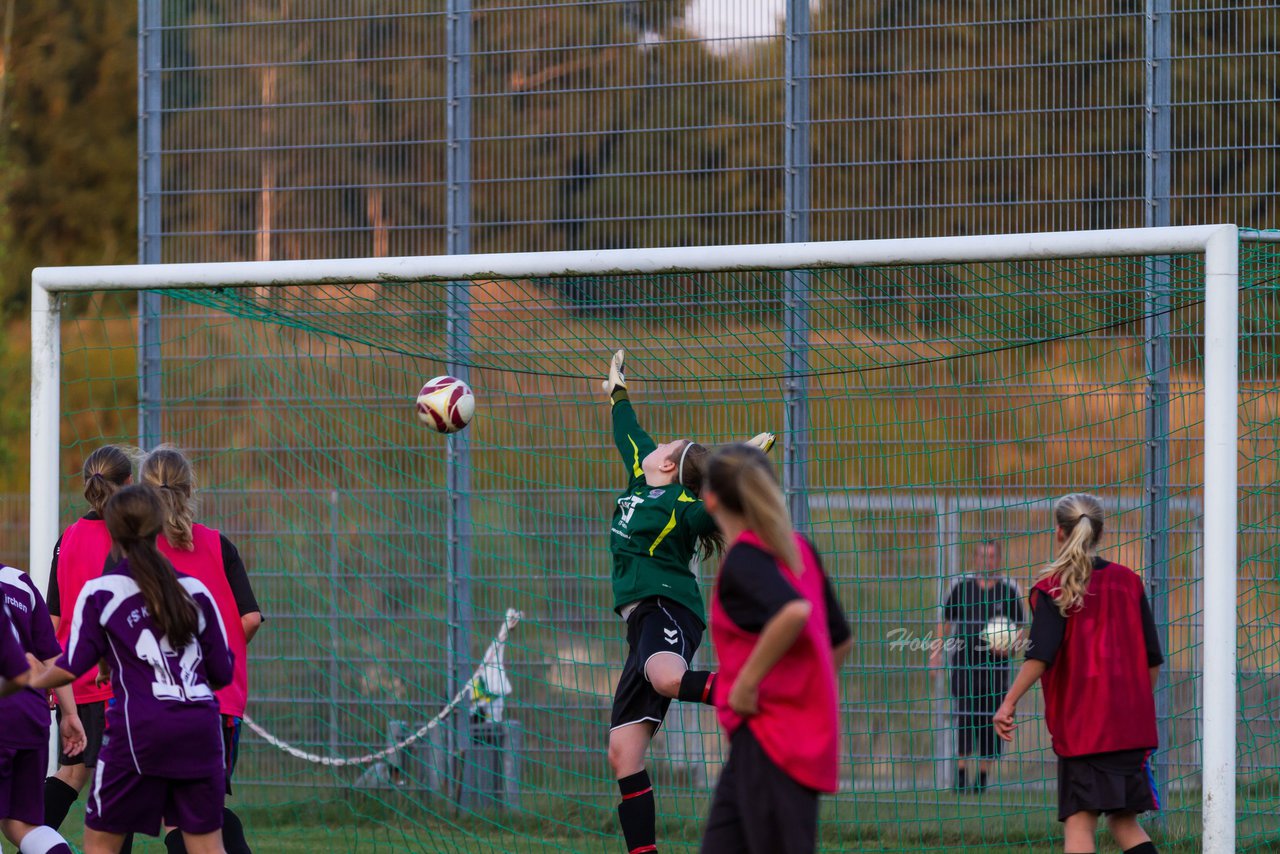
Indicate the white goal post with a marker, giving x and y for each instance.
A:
(1219, 244)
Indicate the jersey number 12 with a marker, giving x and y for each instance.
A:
(165, 687)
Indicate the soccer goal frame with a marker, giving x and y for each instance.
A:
(1219, 244)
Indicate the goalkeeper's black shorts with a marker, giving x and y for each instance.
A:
(657, 626)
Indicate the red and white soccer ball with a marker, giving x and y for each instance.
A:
(446, 404)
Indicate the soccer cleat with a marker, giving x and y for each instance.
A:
(616, 379)
(763, 441)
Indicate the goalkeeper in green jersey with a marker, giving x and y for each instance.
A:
(659, 526)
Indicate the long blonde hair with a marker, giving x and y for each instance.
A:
(1079, 517)
(169, 472)
(743, 480)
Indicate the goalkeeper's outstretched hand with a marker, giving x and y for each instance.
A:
(616, 378)
(763, 441)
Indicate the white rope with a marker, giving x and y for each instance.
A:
(513, 617)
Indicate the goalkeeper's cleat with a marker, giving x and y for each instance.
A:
(763, 441)
(617, 380)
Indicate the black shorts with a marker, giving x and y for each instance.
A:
(230, 746)
(1106, 783)
(976, 736)
(657, 626)
(757, 808)
(93, 717)
(976, 695)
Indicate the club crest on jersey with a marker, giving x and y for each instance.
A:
(655, 493)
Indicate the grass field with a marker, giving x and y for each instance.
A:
(355, 822)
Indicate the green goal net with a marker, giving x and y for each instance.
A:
(923, 412)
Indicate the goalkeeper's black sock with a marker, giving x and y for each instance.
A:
(58, 798)
(173, 842)
(695, 686)
(982, 781)
(961, 781)
(1147, 847)
(638, 814)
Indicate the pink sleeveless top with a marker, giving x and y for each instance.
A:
(798, 722)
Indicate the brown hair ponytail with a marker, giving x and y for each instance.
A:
(743, 480)
(691, 471)
(134, 516)
(105, 470)
(170, 473)
(1079, 516)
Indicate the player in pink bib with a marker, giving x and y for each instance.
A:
(780, 636)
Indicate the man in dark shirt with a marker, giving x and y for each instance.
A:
(979, 672)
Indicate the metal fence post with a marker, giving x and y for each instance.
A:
(458, 335)
(1156, 350)
(150, 60)
(795, 443)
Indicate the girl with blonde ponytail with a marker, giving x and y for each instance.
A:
(781, 636)
(206, 554)
(1095, 649)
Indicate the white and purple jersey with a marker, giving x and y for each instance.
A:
(26, 714)
(13, 662)
(164, 720)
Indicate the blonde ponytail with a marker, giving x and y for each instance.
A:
(743, 480)
(1079, 516)
(169, 472)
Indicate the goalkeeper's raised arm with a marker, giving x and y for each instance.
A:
(632, 442)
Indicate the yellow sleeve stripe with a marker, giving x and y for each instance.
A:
(636, 470)
(671, 526)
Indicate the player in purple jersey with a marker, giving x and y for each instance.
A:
(163, 638)
(24, 737)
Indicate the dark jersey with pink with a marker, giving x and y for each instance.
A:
(164, 721)
(26, 714)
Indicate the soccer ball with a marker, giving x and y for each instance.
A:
(446, 404)
(1000, 634)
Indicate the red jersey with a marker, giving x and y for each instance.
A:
(204, 563)
(798, 721)
(1097, 690)
(82, 556)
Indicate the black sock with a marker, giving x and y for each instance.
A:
(127, 847)
(982, 781)
(695, 686)
(638, 813)
(961, 781)
(174, 844)
(1147, 847)
(58, 798)
(233, 834)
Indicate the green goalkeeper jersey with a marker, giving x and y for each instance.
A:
(655, 529)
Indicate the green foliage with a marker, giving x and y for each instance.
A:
(71, 140)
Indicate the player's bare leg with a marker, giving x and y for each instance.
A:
(664, 672)
(671, 677)
(1126, 831)
(1080, 832)
(627, 748)
(98, 842)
